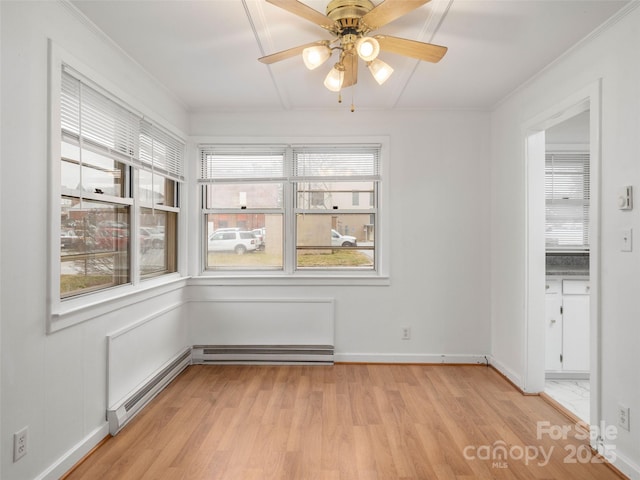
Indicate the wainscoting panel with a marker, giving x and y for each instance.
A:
(260, 321)
(137, 352)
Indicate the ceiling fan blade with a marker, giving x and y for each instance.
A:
(350, 62)
(291, 52)
(388, 11)
(411, 48)
(306, 12)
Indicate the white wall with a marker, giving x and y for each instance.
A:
(54, 384)
(612, 56)
(438, 216)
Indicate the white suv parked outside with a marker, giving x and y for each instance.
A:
(338, 240)
(232, 241)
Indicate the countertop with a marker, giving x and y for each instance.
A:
(565, 264)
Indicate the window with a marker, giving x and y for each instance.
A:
(337, 233)
(119, 173)
(243, 192)
(300, 203)
(567, 200)
(158, 194)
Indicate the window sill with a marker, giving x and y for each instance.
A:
(77, 310)
(297, 280)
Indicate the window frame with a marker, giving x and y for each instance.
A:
(66, 312)
(289, 275)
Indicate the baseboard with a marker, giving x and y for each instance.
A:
(408, 358)
(563, 410)
(76, 453)
(626, 466)
(507, 373)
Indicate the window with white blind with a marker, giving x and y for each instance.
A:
(297, 202)
(567, 200)
(119, 186)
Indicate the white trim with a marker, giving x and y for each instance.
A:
(507, 372)
(256, 279)
(399, 358)
(80, 310)
(587, 98)
(54, 83)
(63, 313)
(113, 335)
(72, 456)
(626, 466)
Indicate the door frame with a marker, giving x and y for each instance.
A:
(533, 136)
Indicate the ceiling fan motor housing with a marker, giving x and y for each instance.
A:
(347, 13)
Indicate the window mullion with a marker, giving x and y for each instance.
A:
(289, 217)
(134, 225)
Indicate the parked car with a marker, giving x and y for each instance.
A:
(232, 241)
(111, 236)
(338, 240)
(151, 237)
(69, 239)
(259, 233)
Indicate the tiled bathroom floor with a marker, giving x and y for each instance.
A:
(571, 394)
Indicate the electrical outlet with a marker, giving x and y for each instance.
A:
(623, 417)
(20, 444)
(406, 333)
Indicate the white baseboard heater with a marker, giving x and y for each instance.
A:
(121, 413)
(263, 354)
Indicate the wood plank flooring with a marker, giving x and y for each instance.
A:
(342, 422)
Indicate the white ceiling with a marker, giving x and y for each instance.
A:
(205, 51)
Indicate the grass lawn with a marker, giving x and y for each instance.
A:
(72, 283)
(333, 258)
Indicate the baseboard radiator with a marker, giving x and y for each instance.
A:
(121, 413)
(263, 354)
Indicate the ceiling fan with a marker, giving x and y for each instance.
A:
(350, 22)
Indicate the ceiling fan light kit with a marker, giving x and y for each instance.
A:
(335, 78)
(368, 48)
(350, 21)
(315, 56)
(380, 70)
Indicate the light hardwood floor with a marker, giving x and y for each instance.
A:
(341, 422)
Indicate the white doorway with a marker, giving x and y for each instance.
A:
(585, 103)
(567, 287)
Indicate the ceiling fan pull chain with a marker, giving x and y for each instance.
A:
(353, 106)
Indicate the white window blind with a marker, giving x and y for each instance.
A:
(354, 162)
(567, 200)
(94, 118)
(160, 152)
(244, 164)
(102, 124)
